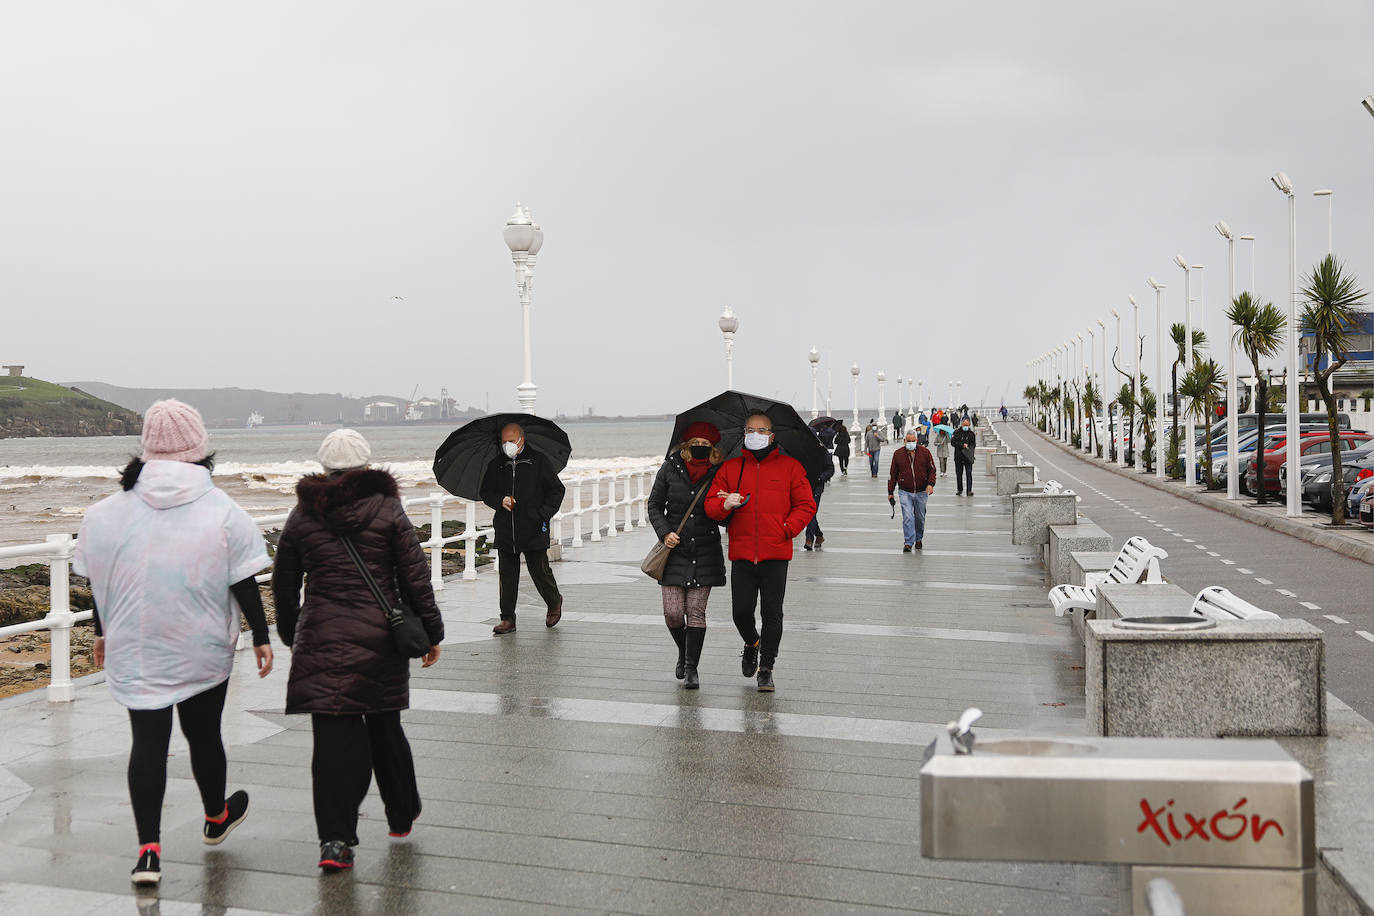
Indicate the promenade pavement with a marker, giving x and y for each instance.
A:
(565, 770)
(1276, 571)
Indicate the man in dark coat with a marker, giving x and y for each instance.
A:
(524, 492)
(965, 447)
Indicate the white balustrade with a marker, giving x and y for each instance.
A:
(57, 552)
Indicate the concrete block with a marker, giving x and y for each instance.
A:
(998, 459)
(1030, 488)
(1032, 514)
(1247, 678)
(1082, 562)
(1159, 600)
(1011, 476)
(1084, 535)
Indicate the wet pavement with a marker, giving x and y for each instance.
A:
(565, 770)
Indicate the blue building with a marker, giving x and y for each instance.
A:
(1361, 346)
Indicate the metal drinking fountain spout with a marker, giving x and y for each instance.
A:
(961, 732)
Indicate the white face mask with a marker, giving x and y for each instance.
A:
(510, 448)
(755, 441)
(911, 446)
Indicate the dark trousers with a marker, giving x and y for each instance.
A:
(348, 750)
(765, 584)
(152, 732)
(813, 527)
(537, 562)
(963, 470)
(843, 459)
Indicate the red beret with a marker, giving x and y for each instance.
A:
(702, 430)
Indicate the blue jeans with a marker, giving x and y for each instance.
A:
(913, 515)
(873, 461)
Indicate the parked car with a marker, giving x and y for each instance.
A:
(1362, 490)
(1246, 423)
(1366, 514)
(1311, 453)
(1314, 443)
(1356, 465)
(1247, 445)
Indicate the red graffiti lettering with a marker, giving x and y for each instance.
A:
(1197, 828)
(1152, 821)
(1258, 830)
(1223, 816)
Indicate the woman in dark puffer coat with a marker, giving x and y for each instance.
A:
(696, 562)
(345, 670)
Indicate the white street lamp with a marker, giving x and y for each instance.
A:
(1251, 240)
(921, 393)
(900, 410)
(1159, 376)
(1285, 186)
(882, 397)
(814, 357)
(854, 371)
(729, 324)
(911, 401)
(1091, 361)
(1189, 469)
(958, 395)
(1136, 396)
(1330, 197)
(1232, 425)
(1121, 412)
(524, 238)
(1102, 329)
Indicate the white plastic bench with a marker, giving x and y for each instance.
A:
(1218, 603)
(1055, 488)
(1138, 562)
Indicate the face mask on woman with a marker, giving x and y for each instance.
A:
(510, 448)
(700, 452)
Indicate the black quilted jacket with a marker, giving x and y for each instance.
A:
(343, 661)
(698, 561)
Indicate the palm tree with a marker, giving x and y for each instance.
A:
(1126, 398)
(1203, 387)
(1179, 334)
(1329, 316)
(1147, 415)
(1259, 332)
(1091, 400)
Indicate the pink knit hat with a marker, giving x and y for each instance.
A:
(173, 431)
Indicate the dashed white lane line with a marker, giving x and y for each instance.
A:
(1213, 553)
(1170, 530)
(1263, 581)
(1286, 593)
(1229, 562)
(1202, 547)
(1334, 619)
(1243, 571)
(1187, 540)
(1366, 634)
(1310, 606)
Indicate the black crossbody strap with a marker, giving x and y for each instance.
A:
(367, 576)
(695, 500)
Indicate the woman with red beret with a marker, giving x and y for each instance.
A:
(696, 561)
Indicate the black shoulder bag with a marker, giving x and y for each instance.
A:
(407, 630)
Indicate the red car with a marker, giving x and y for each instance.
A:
(1311, 444)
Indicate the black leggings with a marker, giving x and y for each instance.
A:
(152, 731)
(348, 750)
(765, 584)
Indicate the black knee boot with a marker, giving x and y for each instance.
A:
(696, 636)
(679, 635)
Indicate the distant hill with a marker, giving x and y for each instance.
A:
(33, 407)
(231, 407)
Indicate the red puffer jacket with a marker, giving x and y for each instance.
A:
(779, 508)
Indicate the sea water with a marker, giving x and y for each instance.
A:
(46, 484)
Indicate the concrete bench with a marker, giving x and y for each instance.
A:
(1136, 563)
(1010, 477)
(1064, 539)
(1032, 514)
(1083, 562)
(996, 460)
(1217, 603)
(1254, 678)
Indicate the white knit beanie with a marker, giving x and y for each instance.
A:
(344, 449)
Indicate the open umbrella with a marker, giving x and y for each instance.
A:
(461, 462)
(827, 428)
(728, 410)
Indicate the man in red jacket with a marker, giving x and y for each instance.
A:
(912, 474)
(771, 504)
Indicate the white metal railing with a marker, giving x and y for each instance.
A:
(625, 490)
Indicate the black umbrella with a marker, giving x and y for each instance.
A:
(828, 429)
(462, 460)
(728, 410)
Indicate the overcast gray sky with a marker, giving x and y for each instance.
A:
(208, 194)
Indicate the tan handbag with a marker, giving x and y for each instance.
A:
(657, 558)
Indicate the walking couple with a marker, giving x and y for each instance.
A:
(172, 561)
(763, 498)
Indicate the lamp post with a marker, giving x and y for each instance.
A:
(1232, 424)
(1285, 186)
(524, 238)
(1189, 471)
(854, 371)
(900, 409)
(910, 401)
(729, 324)
(1121, 412)
(814, 357)
(1102, 330)
(1330, 198)
(958, 393)
(1136, 395)
(921, 394)
(882, 398)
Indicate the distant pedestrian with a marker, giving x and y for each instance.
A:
(965, 443)
(942, 435)
(842, 451)
(172, 562)
(346, 672)
(911, 478)
(696, 562)
(815, 537)
(765, 501)
(973, 417)
(1003, 411)
(873, 446)
(524, 492)
(897, 422)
